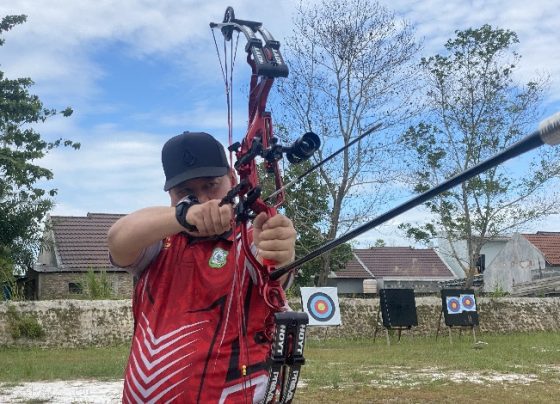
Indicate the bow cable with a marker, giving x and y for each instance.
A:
(238, 275)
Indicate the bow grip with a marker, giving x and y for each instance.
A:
(269, 263)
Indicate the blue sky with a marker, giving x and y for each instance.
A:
(137, 72)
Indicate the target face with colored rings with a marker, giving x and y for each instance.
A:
(321, 306)
(453, 305)
(468, 302)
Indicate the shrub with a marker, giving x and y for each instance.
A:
(498, 292)
(97, 285)
(23, 326)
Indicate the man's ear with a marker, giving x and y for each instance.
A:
(172, 197)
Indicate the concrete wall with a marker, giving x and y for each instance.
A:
(514, 264)
(490, 249)
(500, 315)
(71, 323)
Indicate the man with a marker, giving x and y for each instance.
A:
(202, 331)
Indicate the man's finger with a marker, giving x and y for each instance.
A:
(278, 233)
(260, 220)
(226, 214)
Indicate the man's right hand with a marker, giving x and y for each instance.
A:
(210, 218)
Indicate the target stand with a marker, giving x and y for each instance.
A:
(458, 308)
(397, 311)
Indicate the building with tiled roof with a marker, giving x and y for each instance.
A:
(72, 246)
(549, 244)
(392, 267)
(524, 259)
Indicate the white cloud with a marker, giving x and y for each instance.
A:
(534, 22)
(116, 172)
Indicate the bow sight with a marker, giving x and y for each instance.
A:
(303, 148)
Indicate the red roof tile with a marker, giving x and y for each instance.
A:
(548, 243)
(81, 242)
(395, 262)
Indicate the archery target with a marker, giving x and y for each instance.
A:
(321, 304)
(398, 307)
(468, 303)
(459, 307)
(453, 305)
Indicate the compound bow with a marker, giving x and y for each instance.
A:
(267, 64)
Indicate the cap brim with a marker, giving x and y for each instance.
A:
(195, 173)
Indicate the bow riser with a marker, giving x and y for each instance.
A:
(260, 142)
(271, 291)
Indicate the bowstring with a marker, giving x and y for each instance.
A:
(238, 278)
(240, 269)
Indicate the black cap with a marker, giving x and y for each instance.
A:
(192, 155)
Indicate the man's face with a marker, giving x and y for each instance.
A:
(205, 189)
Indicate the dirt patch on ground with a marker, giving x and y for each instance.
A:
(63, 392)
(92, 391)
(410, 377)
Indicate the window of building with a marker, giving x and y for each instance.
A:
(481, 263)
(75, 288)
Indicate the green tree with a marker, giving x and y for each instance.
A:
(307, 206)
(23, 203)
(476, 109)
(351, 67)
(379, 243)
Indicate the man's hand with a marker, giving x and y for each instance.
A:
(209, 218)
(275, 238)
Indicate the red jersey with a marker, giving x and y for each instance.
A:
(186, 347)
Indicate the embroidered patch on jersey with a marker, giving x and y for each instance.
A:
(218, 258)
(167, 243)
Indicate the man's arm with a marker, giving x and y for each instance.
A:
(131, 234)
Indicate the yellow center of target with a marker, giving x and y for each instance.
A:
(321, 306)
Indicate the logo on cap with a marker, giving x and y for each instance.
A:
(189, 158)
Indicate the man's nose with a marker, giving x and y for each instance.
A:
(202, 197)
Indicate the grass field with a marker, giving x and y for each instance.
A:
(500, 368)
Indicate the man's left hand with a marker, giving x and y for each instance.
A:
(275, 238)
